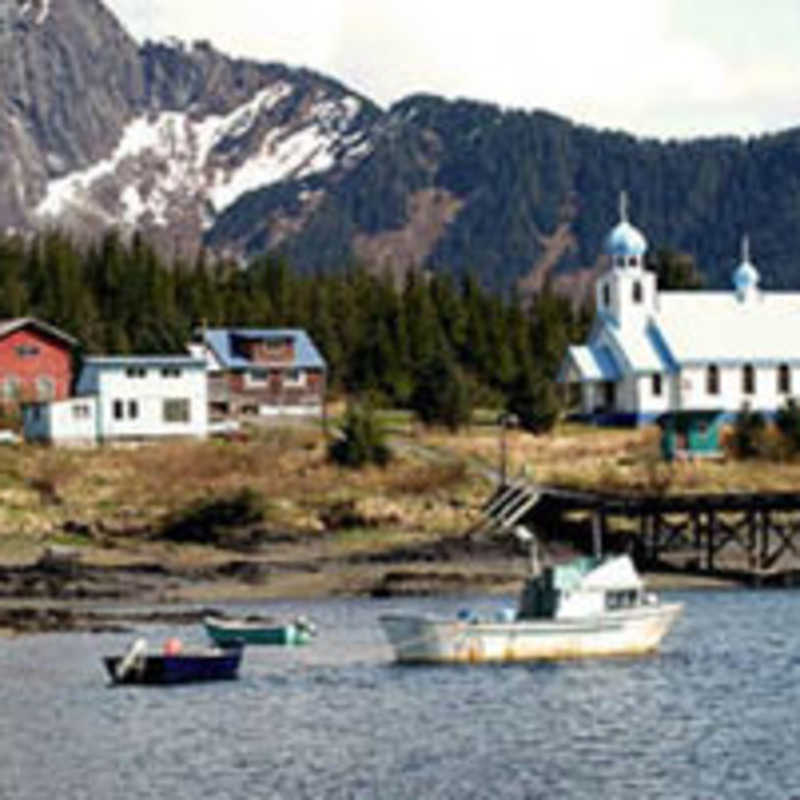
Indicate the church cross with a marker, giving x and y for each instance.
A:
(623, 206)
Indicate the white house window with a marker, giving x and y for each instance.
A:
(45, 388)
(656, 385)
(170, 372)
(136, 372)
(81, 411)
(632, 261)
(606, 295)
(176, 410)
(118, 409)
(620, 261)
(637, 291)
(784, 379)
(748, 379)
(133, 409)
(712, 379)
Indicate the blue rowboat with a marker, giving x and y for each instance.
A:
(139, 666)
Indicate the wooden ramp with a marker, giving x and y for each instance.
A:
(507, 507)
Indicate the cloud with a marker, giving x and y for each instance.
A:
(659, 67)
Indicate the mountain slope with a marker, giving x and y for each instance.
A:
(69, 81)
(194, 147)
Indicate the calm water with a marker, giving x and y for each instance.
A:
(715, 715)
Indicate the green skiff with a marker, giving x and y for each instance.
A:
(243, 631)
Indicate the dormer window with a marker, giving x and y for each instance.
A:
(637, 291)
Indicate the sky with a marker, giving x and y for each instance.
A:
(662, 68)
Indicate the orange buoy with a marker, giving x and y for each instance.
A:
(172, 646)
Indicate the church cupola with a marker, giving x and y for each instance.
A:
(746, 277)
(625, 244)
(627, 291)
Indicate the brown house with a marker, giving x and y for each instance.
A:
(262, 371)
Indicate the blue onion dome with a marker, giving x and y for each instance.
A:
(625, 239)
(746, 275)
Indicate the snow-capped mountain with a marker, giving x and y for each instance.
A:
(164, 138)
(195, 148)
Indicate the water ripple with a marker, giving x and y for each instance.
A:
(715, 715)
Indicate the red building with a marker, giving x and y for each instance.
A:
(35, 361)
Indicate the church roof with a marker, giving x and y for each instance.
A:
(717, 326)
(642, 348)
(593, 363)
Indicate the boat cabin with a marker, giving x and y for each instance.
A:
(584, 587)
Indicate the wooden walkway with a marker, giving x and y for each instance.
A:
(753, 533)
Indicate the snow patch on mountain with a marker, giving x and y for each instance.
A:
(171, 156)
(42, 12)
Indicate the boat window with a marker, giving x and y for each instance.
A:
(624, 599)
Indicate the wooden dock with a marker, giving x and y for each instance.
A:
(755, 535)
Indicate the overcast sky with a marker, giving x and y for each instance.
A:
(653, 67)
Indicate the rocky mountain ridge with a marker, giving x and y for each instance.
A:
(195, 148)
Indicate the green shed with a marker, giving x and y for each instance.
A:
(691, 434)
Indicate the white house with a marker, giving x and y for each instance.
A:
(126, 397)
(652, 351)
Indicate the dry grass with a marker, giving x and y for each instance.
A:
(619, 460)
(125, 489)
(121, 490)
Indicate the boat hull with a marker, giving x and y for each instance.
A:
(228, 633)
(179, 668)
(421, 639)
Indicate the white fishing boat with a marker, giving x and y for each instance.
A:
(587, 607)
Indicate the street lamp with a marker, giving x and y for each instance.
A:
(505, 420)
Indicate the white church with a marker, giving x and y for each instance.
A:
(651, 352)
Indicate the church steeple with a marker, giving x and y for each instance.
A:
(746, 277)
(627, 291)
(625, 243)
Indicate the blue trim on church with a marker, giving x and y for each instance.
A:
(618, 419)
(626, 419)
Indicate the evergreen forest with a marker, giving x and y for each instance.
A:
(437, 344)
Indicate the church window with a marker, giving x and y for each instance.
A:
(748, 379)
(656, 384)
(784, 379)
(637, 291)
(606, 295)
(712, 379)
